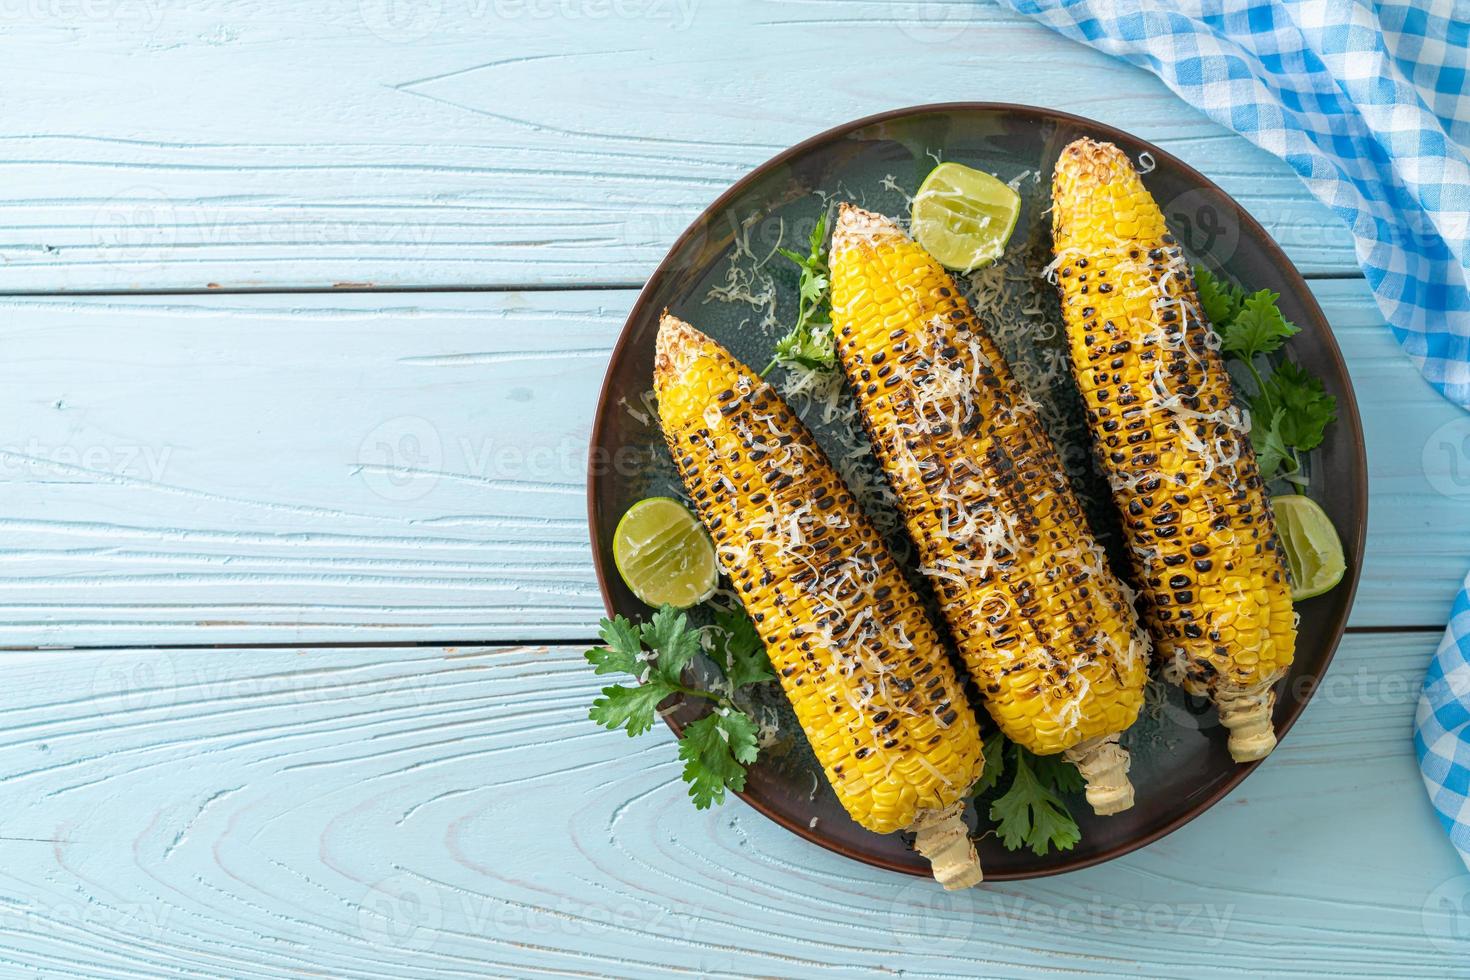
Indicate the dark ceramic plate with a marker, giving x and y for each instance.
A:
(1180, 766)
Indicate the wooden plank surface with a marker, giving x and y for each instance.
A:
(445, 812)
(334, 467)
(151, 145)
(394, 469)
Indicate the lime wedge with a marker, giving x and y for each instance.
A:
(964, 217)
(1313, 550)
(664, 555)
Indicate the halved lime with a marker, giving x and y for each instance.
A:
(964, 217)
(1313, 550)
(664, 555)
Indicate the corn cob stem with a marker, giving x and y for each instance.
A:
(1103, 764)
(1246, 712)
(942, 837)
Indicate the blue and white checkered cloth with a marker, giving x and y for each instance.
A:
(1442, 727)
(1370, 103)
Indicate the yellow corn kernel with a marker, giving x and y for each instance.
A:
(1175, 448)
(865, 671)
(1043, 624)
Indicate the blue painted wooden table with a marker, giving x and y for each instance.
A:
(271, 707)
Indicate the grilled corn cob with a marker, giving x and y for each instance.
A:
(862, 666)
(1044, 626)
(1175, 447)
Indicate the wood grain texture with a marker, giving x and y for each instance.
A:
(433, 812)
(326, 468)
(267, 143)
(343, 468)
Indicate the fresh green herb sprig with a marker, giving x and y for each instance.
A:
(1290, 409)
(717, 748)
(742, 655)
(810, 342)
(1031, 812)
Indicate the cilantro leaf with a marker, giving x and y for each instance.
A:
(1059, 774)
(1290, 410)
(621, 655)
(1031, 812)
(633, 708)
(794, 256)
(663, 628)
(995, 764)
(809, 343)
(813, 286)
(668, 634)
(743, 655)
(1031, 815)
(1259, 327)
(716, 749)
(810, 348)
(1272, 452)
(818, 235)
(1306, 408)
(1220, 298)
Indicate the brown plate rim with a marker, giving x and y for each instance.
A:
(1347, 411)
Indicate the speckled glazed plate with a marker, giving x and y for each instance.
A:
(1180, 766)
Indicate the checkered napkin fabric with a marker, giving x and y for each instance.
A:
(1442, 727)
(1370, 104)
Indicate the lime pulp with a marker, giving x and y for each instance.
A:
(1313, 550)
(663, 554)
(964, 217)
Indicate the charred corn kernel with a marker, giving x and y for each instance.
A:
(863, 667)
(1043, 624)
(1174, 445)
